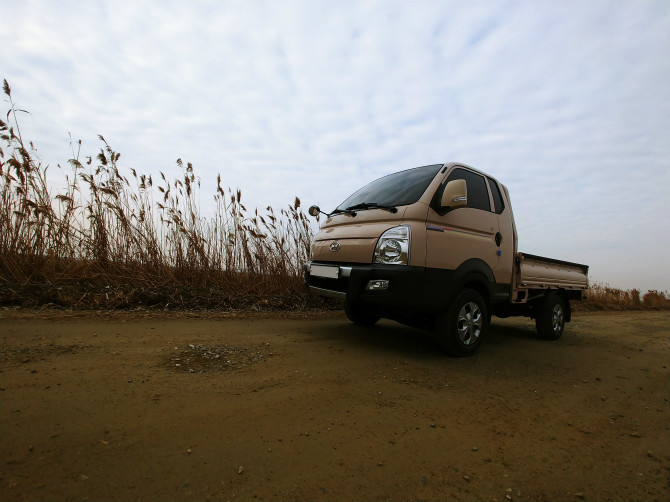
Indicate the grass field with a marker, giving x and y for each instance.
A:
(107, 240)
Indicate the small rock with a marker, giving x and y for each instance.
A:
(189, 451)
(467, 478)
(474, 448)
(240, 470)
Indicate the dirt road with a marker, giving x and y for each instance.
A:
(125, 408)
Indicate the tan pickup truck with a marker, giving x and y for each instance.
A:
(436, 247)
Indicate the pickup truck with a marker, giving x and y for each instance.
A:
(435, 247)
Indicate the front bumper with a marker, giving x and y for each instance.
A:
(405, 290)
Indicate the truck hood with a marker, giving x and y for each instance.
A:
(352, 239)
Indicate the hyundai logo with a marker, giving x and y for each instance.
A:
(334, 246)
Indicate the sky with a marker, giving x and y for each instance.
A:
(565, 102)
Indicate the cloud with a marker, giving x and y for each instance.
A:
(566, 103)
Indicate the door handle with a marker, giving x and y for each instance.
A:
(498, 238)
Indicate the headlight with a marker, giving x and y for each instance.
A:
(393, 246)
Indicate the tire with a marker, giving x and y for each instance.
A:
(550, 319)
(359, 315)
(461, 329)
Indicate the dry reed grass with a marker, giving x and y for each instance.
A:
(111, 241)
(108, 240)
(604, 297)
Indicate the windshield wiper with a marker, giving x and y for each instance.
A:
(372, 205)
(362, 206)
(346, 211)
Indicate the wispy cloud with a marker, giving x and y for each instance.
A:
(567, 103)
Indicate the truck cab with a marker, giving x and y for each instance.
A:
(435, 247)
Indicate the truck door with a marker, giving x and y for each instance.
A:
(457, 235)
(506, 238)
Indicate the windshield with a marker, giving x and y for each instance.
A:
(399, 189)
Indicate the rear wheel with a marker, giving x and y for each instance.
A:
(550, 320)
(359, 315)
(460, 330)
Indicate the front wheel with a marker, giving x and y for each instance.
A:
(359, 315)
(550, 320)
(461, 328)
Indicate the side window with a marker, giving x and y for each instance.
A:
(478, 195)
(497, 196)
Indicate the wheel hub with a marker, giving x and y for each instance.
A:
(469, 323)
(557, 318)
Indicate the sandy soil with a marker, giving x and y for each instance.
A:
(128, 408)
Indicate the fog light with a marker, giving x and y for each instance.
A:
(377, 285)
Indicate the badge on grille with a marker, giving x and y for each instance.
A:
(334, 246)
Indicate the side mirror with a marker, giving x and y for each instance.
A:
(314, 211)
(455, 194)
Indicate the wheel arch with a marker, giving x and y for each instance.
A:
(475, 274)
